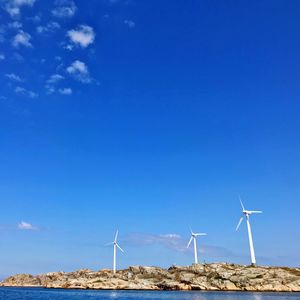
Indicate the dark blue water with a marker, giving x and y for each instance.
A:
(45, 294)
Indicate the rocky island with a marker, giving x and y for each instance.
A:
(215, 276)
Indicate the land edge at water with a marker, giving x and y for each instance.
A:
(210, 277)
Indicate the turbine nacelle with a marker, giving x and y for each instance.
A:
(198, 234)
(247, 213)
(250, 212)
(193, 236)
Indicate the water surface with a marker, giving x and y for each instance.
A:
(46, 294)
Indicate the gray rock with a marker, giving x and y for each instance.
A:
(216, 276)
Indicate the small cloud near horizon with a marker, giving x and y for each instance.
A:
(26, 226)
(176, 242)
(169, 240)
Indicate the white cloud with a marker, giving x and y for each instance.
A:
(2, 56)
(21, 91)
(170, 236)
(79, 71)
(13, 77)
(51, 82)
(69, 47)
(83, 36)
(22, 39)
(129, 23)
(55, 78)
(35, 19)
(50, 27)
(26, 226)
(64, 8)
(49, 89)
(65, 91)
(13, 7)
(15, 25)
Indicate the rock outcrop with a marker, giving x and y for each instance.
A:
(216, 276)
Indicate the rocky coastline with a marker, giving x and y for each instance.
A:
(209, 277)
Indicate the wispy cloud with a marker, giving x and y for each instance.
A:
(50, 83)
(55, 78)
(48, 28)
(83, 36)
(13, 7)
(64, 8)
(65, 91)
(175, 242)
(15, 25)
(79, 71)
(2, 56)
(13, 77)
(35, 19)
(22, 39)
(24, 92)
(171, 240)
(26, 226)
(50, 89)
(129, 23)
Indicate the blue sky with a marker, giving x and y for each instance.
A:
(149, 117)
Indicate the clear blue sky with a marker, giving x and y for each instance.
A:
(150, 117)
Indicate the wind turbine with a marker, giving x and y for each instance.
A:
(116, 245)
(194, 237)
(247, 213)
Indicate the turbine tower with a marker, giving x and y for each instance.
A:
(194, 237)
(116, 245)
(247, 213)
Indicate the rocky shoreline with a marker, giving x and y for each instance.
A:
(210, 277)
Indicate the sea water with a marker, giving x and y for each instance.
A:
(54, 294)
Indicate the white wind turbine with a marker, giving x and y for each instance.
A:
(194, 237)
(115, 251)
(247, 213)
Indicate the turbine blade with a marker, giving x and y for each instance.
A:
(198, 234)
(238, 225)
(255, 211)
(191, 230)
(116, 235)
(189, 242)
(242, 203)
(120, 248)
